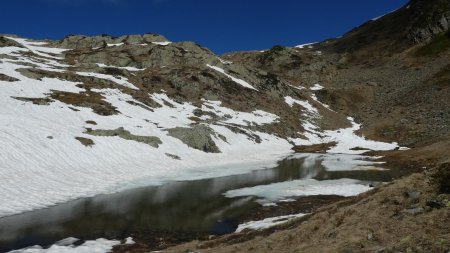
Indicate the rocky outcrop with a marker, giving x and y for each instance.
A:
(5, 42)
(124, 134)
(81, 41)
(8, 78)
(436, 24)
(198, 137)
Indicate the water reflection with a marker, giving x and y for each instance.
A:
(191, 206)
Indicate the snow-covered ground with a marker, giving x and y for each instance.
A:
(347, 142)
(268, 222)
(67, 246)
(306, 45)
(42, 163)
(236, 80)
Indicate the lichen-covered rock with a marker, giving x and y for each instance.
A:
(198, 137)
(124, 134)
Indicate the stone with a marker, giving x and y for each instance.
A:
(413, 211)
(124, 134)
(198, 137)
(413, 194)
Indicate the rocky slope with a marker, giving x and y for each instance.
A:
(391, 74)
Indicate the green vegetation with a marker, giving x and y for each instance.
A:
(438, 45)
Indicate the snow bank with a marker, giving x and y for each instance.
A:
(115, 44)
(317, 87)
(345, 138)
(268, 222)
(310, 109)
(67, 246)
(119, 80)
(39, 48)
(164, 43)
(256, 117)
(236, 80)
(306, 45)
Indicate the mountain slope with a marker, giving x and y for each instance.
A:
(90, 115)
(391, 74)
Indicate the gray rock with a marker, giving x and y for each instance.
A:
(413, 195)
(4, 77)
(124, 134)
(413, 211)
(198, 137)
(436, 24)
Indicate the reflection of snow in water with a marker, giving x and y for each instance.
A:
(303, 187)
(276, 192)
(340, 162)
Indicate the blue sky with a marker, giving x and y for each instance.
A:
(220, 25)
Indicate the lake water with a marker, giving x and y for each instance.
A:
(187, 207)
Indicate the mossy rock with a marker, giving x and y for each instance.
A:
(124, 134)
(198, 137)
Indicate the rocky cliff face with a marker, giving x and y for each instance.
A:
(433, 18)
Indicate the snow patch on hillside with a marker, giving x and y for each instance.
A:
(311, 111)
(67, 246)
(164, 43)
(236, 80)
(316, 87)
(345, 138)
(119, 80)
(257, 117)
(39, 48)
(306, 45)
(115, 44)
(268, 222)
